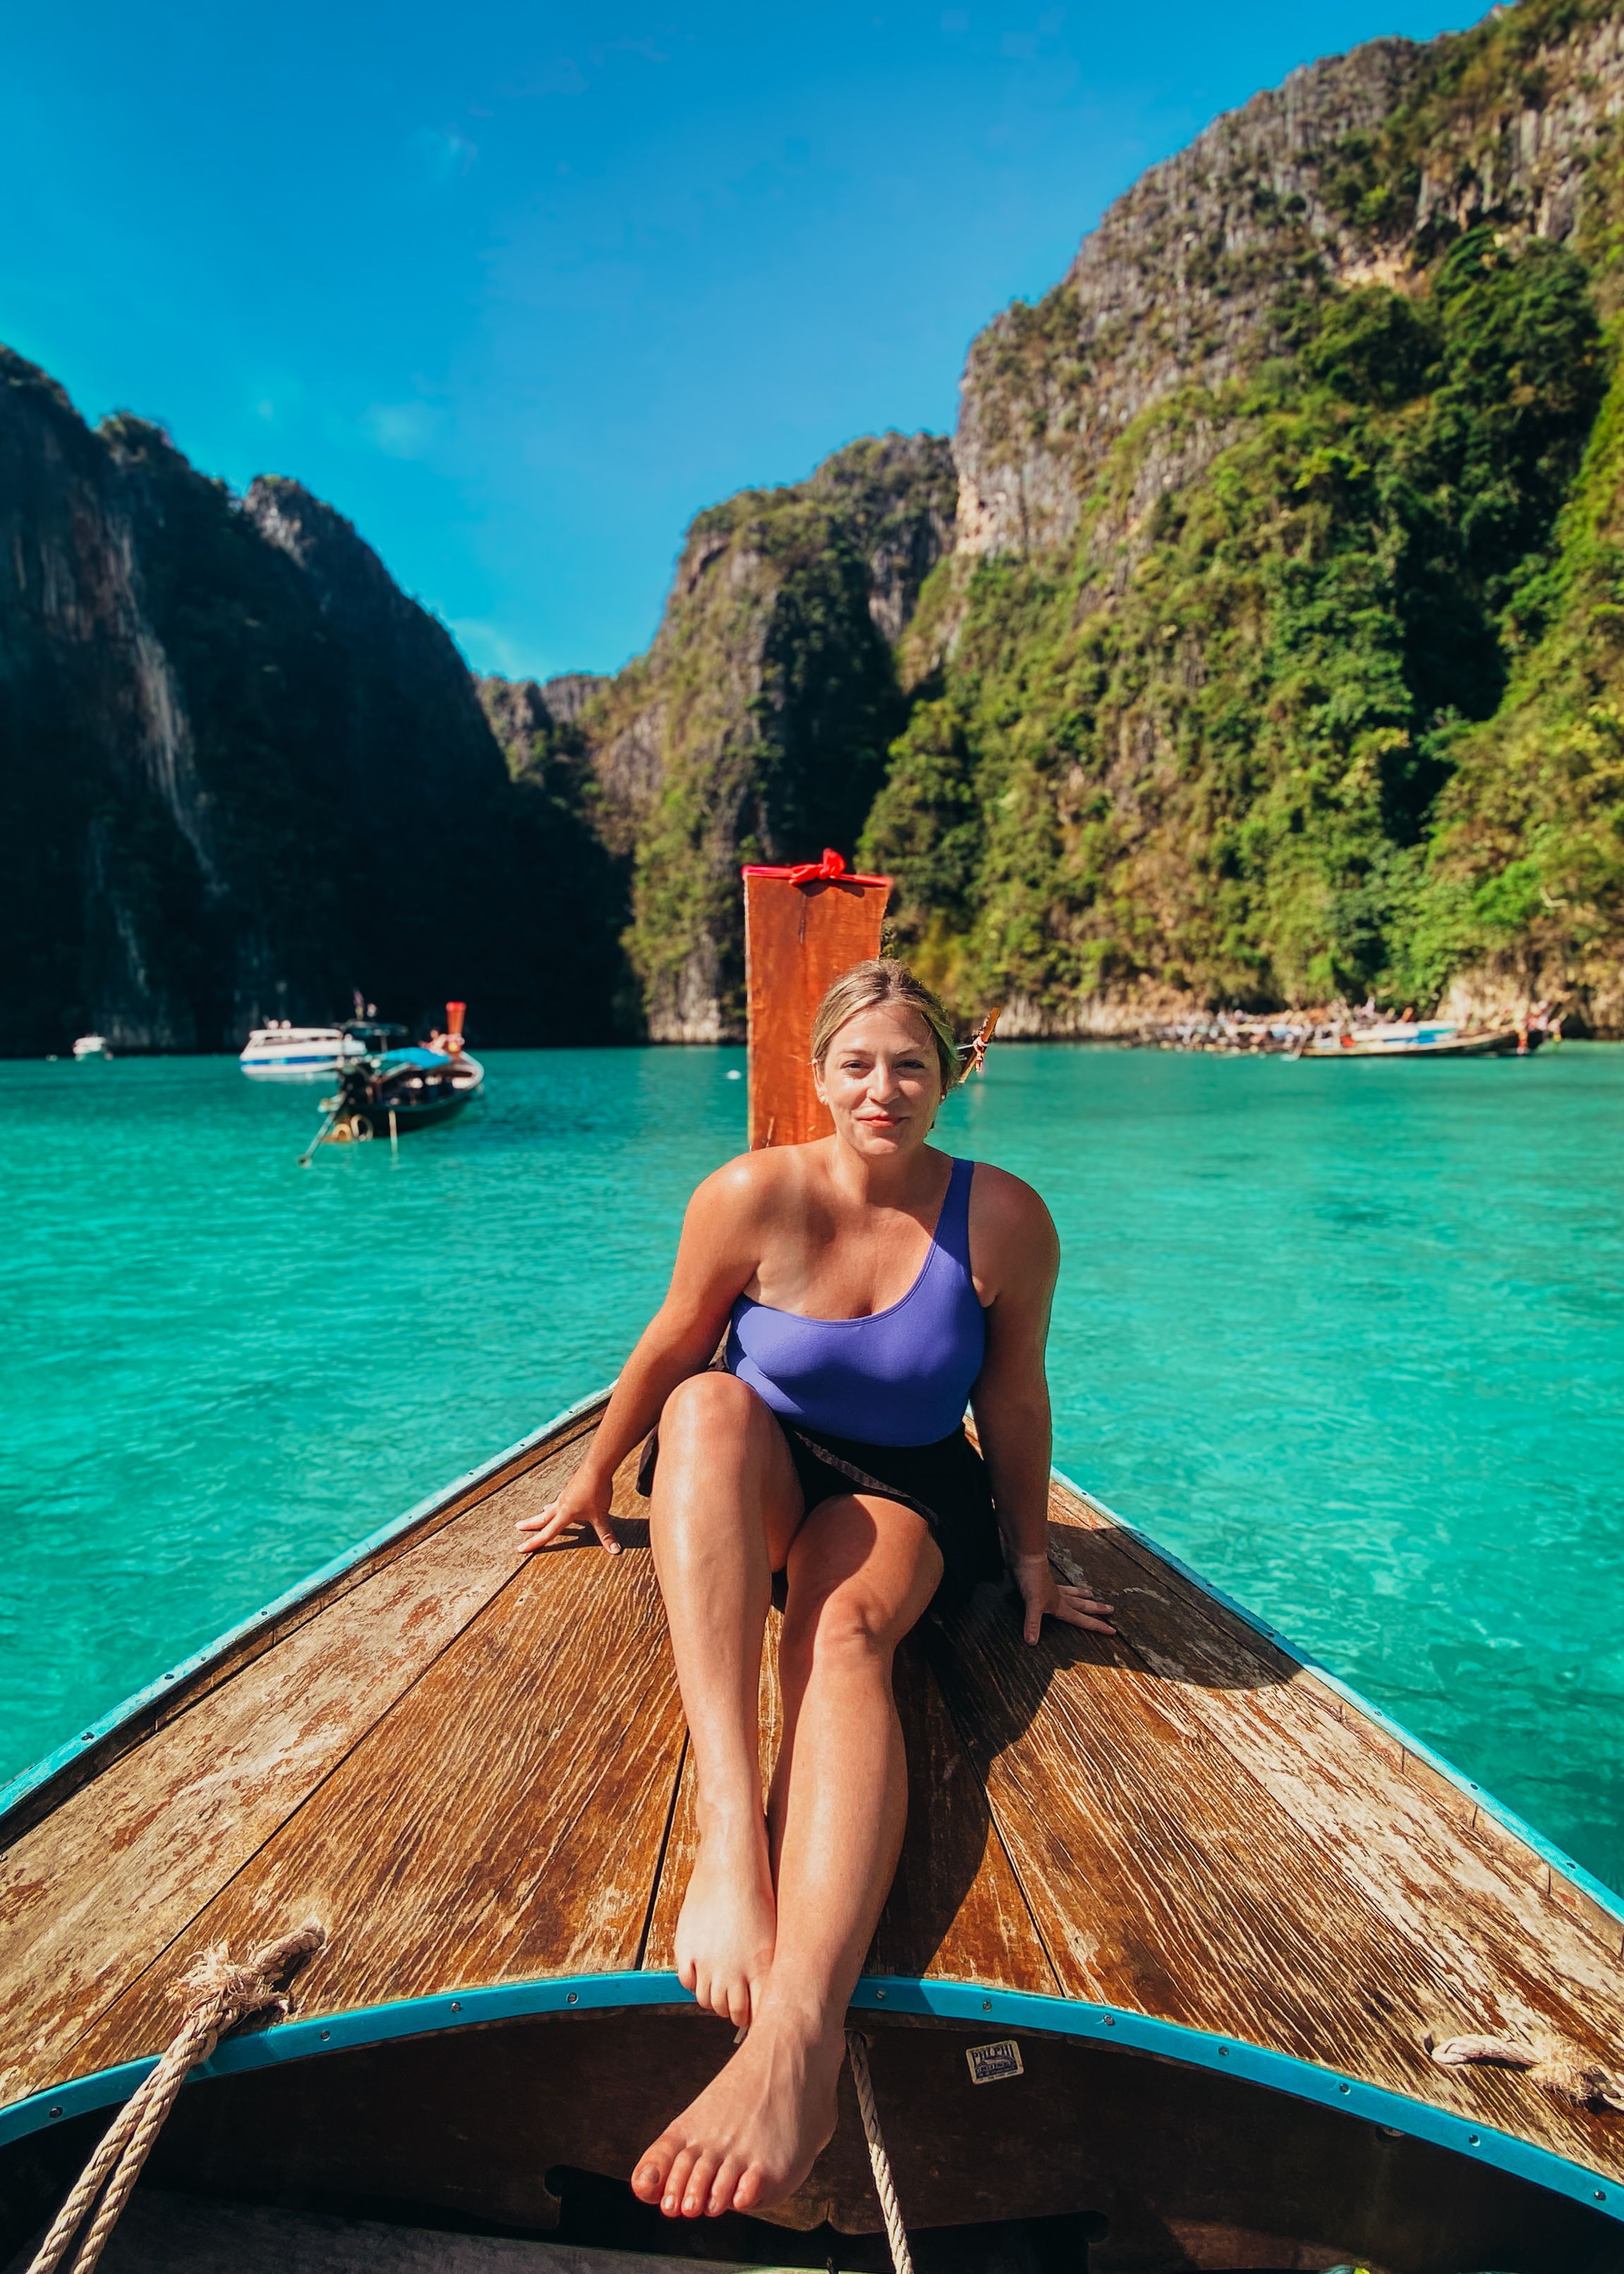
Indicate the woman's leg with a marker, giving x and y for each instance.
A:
(861, 1570)
(725, 1503)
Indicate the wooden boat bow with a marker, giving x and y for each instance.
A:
(1184, 1844)
(1217, 1906)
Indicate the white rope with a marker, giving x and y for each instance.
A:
(884, 2184)
(221, 1994)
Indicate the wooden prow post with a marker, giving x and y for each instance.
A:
(802, 927)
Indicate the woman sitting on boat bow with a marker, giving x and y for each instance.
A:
(870, 1287)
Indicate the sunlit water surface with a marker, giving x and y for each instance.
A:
(1347, 1337)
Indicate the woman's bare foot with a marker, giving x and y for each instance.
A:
(754, 2134)
(728, 1921)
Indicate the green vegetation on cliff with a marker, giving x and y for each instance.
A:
(1205, 753)
(1526, 870)
(758, 724)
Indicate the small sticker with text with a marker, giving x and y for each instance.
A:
(991, 2064)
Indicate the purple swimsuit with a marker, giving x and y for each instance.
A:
(901, 1377)
(876, 1405)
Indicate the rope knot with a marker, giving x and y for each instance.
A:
(219, 1992)
(222, 1991)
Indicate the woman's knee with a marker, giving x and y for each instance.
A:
(856, 1623)
(850, 1622)
(706, 1409)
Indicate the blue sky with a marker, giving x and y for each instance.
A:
(520, 288)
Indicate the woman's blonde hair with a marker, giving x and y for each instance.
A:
(870, 986)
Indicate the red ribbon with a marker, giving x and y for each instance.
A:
(832, 864)
(816, 872)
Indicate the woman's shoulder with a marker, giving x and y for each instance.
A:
(1009, 1220)
(995, 1192)
(753, 1180)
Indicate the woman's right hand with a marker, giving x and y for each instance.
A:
(583, 1500)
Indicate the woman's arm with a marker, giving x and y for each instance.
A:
(715, 1257)
(1010, 1398)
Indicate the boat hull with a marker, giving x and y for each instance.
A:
(401, 1100)
(296, 1053)
(375, 1122)
(289, 1069)
(1507, 1042)
(1163, 2162)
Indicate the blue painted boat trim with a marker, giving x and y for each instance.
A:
(305, 2039)
(1608, 1898)
(891, 1993)
(29, 1779)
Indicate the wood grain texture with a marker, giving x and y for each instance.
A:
(503, 1820)
(94, 1892)
(955, 1912)
(473, 1769)
(1443, 1871)
(1197, 1847)
(1429, 1869)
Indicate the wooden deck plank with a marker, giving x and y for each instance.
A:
(503, 1820)
(1431, 1869)
(1172, 1882)
(955, 1912)
(94, 1894)
(1441, 1868)
(1142, 1849)
(1487, 1936)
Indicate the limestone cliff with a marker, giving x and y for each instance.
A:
(1269, 513)
(241, 774)
(757, 726)
(1358, 170)
(1228, 672)
(1253, 640)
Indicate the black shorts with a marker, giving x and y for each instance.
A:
(945, 1483)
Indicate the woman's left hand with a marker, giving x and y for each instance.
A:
(1043, 1594)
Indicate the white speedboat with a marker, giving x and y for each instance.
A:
(280, 1050)
(92, 1046)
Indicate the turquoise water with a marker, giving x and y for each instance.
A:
(1346, 1336)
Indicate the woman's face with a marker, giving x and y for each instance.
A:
(881, 1080)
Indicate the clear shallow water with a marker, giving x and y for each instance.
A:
(1348, 1338)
